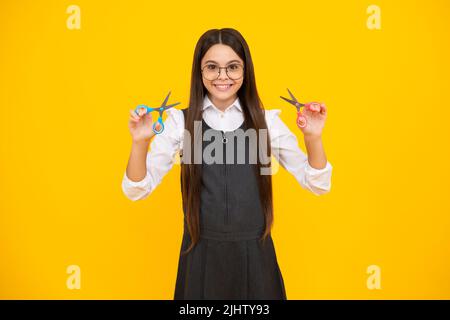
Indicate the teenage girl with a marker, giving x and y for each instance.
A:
(227, 251)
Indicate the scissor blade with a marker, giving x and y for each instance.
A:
(292, 96)
(288, 100)
(166, 99)
(172, 105)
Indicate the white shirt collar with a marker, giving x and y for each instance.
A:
(207, 103)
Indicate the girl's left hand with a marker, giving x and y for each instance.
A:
(315, 114)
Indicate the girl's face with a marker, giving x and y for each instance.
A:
(222, 90)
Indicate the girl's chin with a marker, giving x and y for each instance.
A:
(223, 94)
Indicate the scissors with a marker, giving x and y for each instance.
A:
(301, 120)
(160, 109)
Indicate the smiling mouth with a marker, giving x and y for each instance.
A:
(222, 87)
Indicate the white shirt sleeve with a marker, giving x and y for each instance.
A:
(160, 158)
(286, 150)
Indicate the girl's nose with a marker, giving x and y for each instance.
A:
(223, 74)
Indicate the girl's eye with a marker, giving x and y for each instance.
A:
(233, 67)
(211, 67)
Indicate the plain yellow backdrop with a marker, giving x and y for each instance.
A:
(65, 97)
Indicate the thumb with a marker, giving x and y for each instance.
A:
(148, 117)
(158, 126)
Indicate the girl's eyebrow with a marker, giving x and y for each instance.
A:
(218, 63)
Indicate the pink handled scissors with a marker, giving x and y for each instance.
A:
(301, 120)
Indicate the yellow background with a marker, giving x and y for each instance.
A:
(65, 97)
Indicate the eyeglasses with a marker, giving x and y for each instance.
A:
(234, 71)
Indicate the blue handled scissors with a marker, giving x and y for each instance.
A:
(160, 109)
(301, 120)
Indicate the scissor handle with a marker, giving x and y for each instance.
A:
(313, 105)
(161, 125)
(141, 107)
(301, 120)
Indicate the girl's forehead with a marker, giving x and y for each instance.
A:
(221, 54)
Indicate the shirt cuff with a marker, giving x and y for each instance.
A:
(313, 171)
(136, 184)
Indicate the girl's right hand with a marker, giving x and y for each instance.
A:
(140, 126)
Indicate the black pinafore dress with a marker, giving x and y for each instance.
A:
(229, 261)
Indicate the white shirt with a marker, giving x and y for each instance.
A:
(165, 146)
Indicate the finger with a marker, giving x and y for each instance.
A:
(133, 115)
(148, 116)
(314, 107)
(132, 123)
(308, 107)
(323, 109)
(141, 112)
(132, 120)
(301, 121)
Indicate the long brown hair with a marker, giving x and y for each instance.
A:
(254, 118)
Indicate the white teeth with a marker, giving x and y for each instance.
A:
(222, 87)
